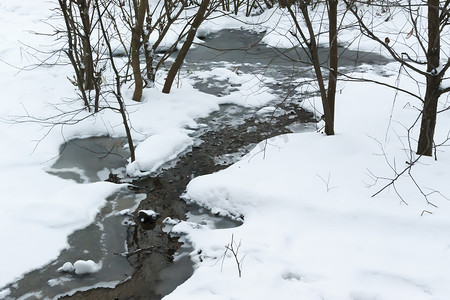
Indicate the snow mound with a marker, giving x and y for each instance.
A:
(86, 267)
(158, 149)
(67, 267)
(81, 267)
(149, 213)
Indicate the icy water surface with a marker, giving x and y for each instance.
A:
(88, 160)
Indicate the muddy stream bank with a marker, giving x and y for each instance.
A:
(150, 248)
(140, 260)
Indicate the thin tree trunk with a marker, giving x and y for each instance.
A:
(87, 58)
(147, 51)
(136, 34)
(185, 48)
(312, 45)
(117, 92)
(72, 49)
(332, 79)
(428, 123)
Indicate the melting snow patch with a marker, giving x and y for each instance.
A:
(58, 281)
(81, 267)
(4, 293)
(86, 267)
(158, 149)
(109, 285)
(67, 267)
(266, 110)
(147, 215)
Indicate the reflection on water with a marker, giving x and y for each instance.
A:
(91, 159)
(88, 160)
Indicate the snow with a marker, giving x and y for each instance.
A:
(40, 209)
(4, 293)
(252, 91)
(148, 212)
(158, 149)
(86, 267)
(67, 267)
(266, 110)
(81, 267)
(311, 227)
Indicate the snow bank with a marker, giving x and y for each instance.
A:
(311, 228)
(40, 209)
(158, 149)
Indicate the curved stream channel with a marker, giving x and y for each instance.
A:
(139, 259)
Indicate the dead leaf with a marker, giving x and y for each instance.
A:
(410, 33)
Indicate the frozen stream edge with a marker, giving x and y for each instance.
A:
(230, 154)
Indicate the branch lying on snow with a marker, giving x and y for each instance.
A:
(148, 250)
(327, 182)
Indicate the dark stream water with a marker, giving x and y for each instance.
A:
(139, 259)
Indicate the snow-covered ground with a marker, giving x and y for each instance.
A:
(311, 228)
(38, 209)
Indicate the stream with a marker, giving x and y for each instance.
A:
(140, 260)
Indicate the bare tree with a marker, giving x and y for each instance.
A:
(159, 21)
(198, 19)
(77, 18)
(91, 55)
(433, 78)
(426, 61)
(308, 40)
(250, 5)
(118, 82)
(137, 32)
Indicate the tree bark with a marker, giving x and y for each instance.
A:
(87, 58)
(333, 51)
(312, 46)
(429, 111)
(185, 48)
(136, 34)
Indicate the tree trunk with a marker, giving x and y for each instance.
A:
(429, 111)
(136, 34)
(71, 50)
(185, 48)
(148, 53)
(333, 51)
(312, 46)
(118, 85)
(87, 58)
(428, 124)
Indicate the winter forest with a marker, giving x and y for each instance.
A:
(225, 149)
